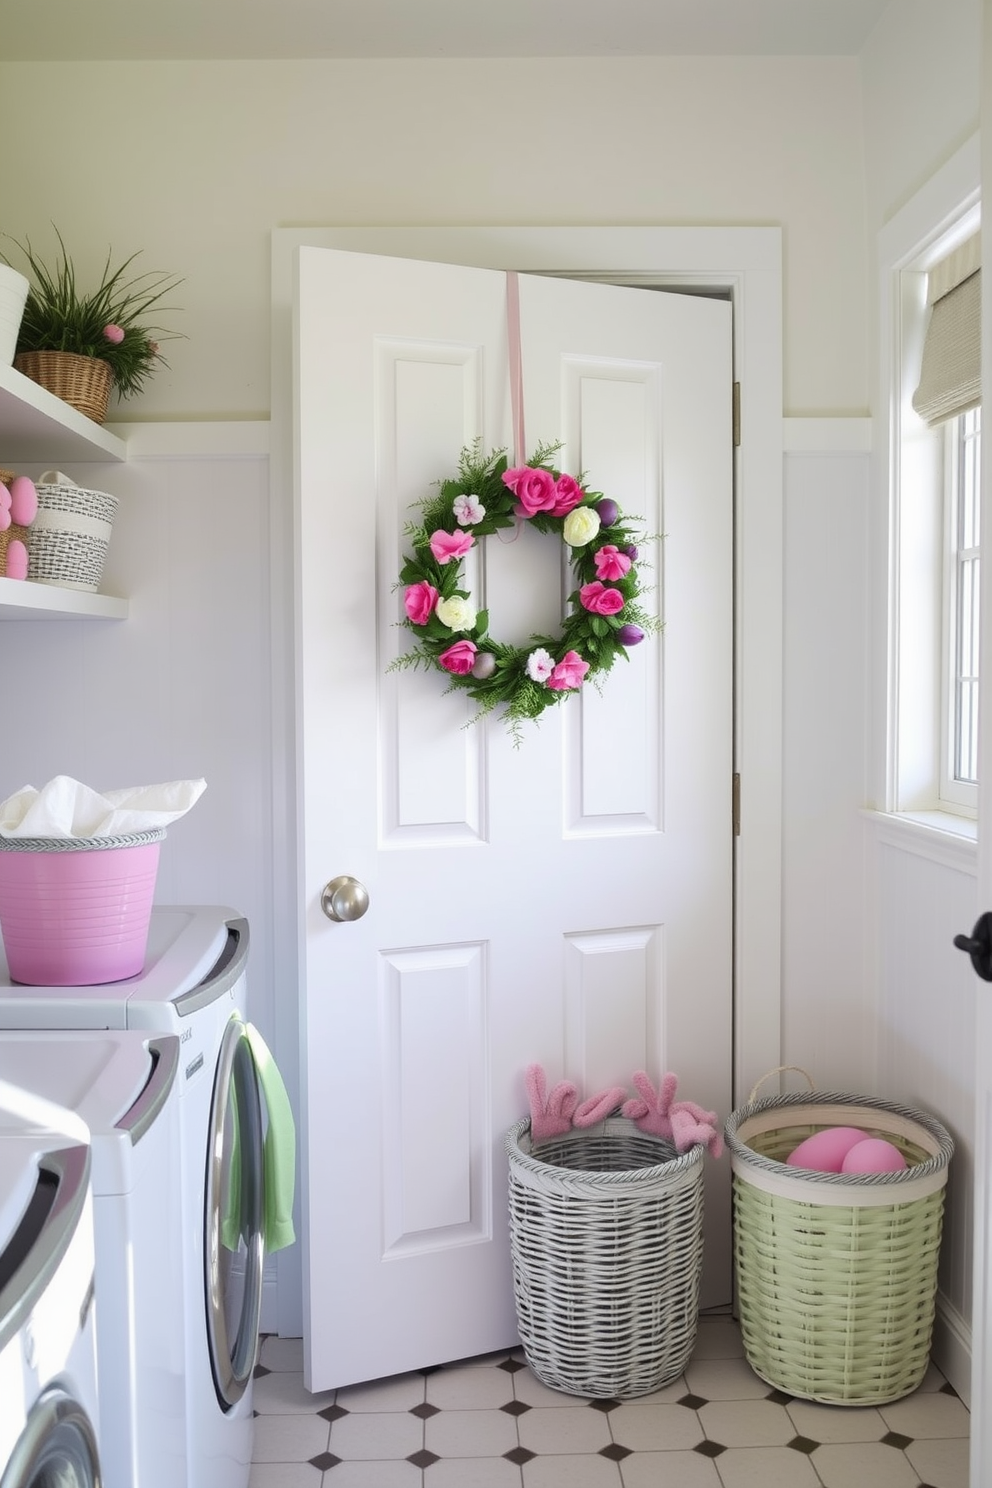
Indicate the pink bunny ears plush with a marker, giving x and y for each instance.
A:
(682, 1122)
(655, 1111)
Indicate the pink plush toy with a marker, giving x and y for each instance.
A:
(550, 1115)
(681, 1122)
(598, 1107)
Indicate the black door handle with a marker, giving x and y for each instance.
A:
(979, 945)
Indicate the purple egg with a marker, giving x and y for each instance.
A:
(631, 552)
(630, 635)
(485, 665)
(608, 511)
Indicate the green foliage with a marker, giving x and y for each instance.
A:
(59, 316)
(595, 638)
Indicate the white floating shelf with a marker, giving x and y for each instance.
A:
(38, 428)
(20, 599)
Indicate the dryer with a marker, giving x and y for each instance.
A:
(123, 1085)
(49, 1420)
(193, 988)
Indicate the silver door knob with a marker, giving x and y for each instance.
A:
(344, 898)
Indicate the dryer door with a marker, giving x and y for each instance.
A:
(234, 1249)
(56, 1449)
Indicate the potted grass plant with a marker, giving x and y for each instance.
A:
(80, 343)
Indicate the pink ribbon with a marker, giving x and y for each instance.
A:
(516, 366)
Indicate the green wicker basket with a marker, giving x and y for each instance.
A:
(836, 1273)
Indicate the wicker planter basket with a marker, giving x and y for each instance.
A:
(836, 1273)
(82, 381)
(606, 1246)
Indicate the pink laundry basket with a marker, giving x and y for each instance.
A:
(74, 911)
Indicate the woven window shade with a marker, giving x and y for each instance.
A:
(951, 370)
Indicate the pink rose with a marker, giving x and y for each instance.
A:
(610, 562)
(568, 495)
(448, 545)
(113, 334)
(459, 658)
(420, 600)
(534, 489)
(599, 600)
(569, 672)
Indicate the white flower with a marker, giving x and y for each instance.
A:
(581, 526)
(456, 613)
(540, 665)
(468, 510)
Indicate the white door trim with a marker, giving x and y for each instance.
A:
(746, 263)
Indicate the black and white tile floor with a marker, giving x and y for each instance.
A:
(489, 1423)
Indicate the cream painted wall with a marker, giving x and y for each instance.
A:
(195, 163)
(922, 84)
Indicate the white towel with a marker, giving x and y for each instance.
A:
(66, 808)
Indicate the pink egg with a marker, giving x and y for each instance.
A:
(825, 1150)
(23, 500)
(873, 1155)
(17, 560)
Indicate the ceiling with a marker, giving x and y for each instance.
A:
(90, 30)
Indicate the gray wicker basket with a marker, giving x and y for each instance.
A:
(606, 1246)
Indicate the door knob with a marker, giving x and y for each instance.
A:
(979, 945)
(344, 898)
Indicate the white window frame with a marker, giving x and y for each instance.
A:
(907, 666)
(955, 795)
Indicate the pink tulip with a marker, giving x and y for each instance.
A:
(459, 658)
(568, 673)
(114, 334)
(419, 601)
(599, 600)
(448, 545)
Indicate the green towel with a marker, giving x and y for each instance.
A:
(278, 1158)
(279, 1148)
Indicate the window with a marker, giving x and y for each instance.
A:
(932, 348)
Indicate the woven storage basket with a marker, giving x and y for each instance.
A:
(82, 381)
(836, 1273)
(606, 1247)
(75, 911)
(71, 533)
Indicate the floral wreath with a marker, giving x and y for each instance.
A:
(604, 620)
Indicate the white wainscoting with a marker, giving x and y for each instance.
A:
(827, 1014)
(925, 893)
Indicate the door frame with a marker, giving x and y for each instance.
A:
(743, 264)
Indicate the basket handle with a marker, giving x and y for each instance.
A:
(780, 1069)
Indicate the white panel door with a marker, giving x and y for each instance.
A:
(567, 902)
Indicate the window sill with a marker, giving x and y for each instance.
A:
(937, 835)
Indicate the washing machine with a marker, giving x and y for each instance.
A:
(49, 1417)
(192, 988)
(123, 1085)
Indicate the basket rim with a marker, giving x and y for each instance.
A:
(79, 844)
(671, 1167)
(812, 1101)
